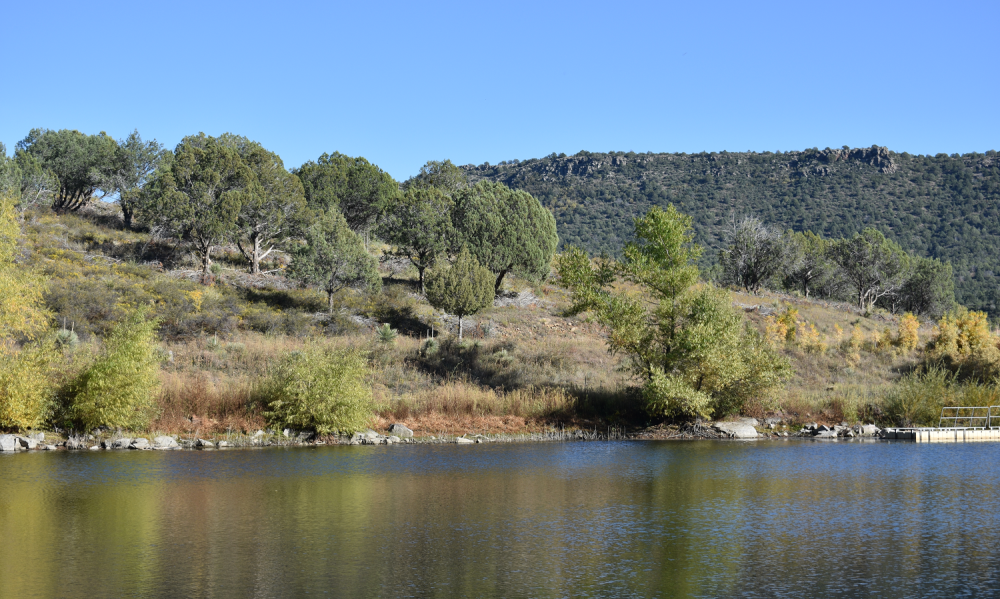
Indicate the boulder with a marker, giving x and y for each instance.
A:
(400, 430)
(95, 448)
(736, 430)
(49, 447)
(204, 444)
(76, 443)
(394, 439)
(747, 420)
(356, 439)
(27, 443)
(8, 443)
(139, 443)
(224, 444)
(122, 443)
(828, 434)
(463, 441)
(870, 430)
(38, 436)
(370, 434)
(165, 442)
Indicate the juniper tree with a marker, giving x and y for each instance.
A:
(334, 258)
(462, 289)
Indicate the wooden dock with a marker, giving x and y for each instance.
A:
(942, 435)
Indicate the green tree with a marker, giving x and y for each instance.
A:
(873, 265)
(507, 231)
(360, 190)
(321, 389)
(132, 167)
(442, 175)
(697, 354)
(419, 225)
(272, 209)
(807, 266)
(929, 289)
(200, 196)
(462, 289)
(334, 258)
(79, 161)
(118, 390)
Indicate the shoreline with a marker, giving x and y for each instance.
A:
(719, 431)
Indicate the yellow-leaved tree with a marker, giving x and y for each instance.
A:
(25, 358)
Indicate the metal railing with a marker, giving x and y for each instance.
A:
(971, 416)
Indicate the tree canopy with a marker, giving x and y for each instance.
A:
(697, 354)
(360, 190)
(462, 289)
(507, 231)
(873, 265)
(420, 227)
(202, 193)
(334, 258)
(79, 161)
(132, 166)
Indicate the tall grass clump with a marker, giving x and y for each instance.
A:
(118, 389)
(321, 389)
(918, 398)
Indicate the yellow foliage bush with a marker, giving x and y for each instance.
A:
(789, 318)
(965, 337)
(907, 337)
(810, 338)
(775, 330)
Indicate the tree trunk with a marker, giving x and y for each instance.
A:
(329, 301)
(127, 215)
(459, 328)
(420, 269)
(496, 288)
(206, 260)
(255, 256)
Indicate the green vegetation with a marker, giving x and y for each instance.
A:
(693, 348)
(322, 299)
(322, 390)
(118, 389)
(943, 207)
(462, 289)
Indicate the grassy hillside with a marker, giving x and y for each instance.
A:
(525, 366)
(942, 206)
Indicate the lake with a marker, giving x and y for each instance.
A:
(785, 518)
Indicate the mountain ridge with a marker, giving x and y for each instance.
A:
(942, 206)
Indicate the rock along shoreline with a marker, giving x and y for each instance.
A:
(740, 429)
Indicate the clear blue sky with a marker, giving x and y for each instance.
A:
(403, 83)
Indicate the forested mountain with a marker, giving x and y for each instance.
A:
(941, 206)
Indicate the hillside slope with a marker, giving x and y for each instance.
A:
(937, 206)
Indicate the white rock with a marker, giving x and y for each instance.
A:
(463, 441)
(394, 439)
(8, 443)
(736, 430)
(204, 443)
(164, 442)
(400, 430)
(139, 443)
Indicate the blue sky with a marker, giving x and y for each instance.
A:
(403, 83)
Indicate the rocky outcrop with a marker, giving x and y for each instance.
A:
(165, 442)
(8, 443)
(877, 156)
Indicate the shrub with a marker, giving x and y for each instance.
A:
(320, 389)
(118, 389)
(25, 388)
(908, 326)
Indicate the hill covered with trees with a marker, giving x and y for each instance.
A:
(943, 206)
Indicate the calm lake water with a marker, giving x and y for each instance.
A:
(597, 519)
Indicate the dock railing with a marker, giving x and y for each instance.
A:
(972, 416)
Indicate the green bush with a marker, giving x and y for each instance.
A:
(118, 389)
(25, 386)
(320, 389)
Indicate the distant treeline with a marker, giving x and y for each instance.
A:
(945, 206)
(867, 268)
